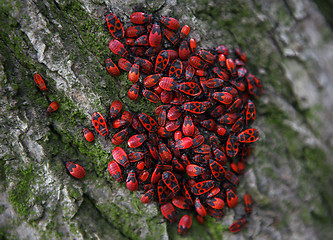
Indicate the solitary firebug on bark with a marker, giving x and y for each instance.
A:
(40, 82)
(238, 225)
(53, 107)
(248, 202)
(75, 170)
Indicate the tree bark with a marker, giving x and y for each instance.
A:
(289, 175)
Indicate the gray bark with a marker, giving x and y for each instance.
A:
(289, 47)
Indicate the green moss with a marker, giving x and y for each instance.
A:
(269, 172)
(74, 193)
(211, 229)
(305, 215)
(326, 7)
(13, 40)
(223, 15)
(315, 165)
(58, 235)
(275, 119)
(315, 172)
(283, 16)
(73, 228)
(314, 159)
(52, 229)
(82, 29)
(20, 195)
(3, 234)
(284, 222)
(2, 209)
(216, 229)
(130, 229)
(2, 168)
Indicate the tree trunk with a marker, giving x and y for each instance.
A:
(289, 175)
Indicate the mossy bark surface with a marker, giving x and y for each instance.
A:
(289, 175)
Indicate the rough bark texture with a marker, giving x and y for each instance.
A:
(289, 47)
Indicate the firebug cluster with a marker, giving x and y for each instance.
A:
(190, 156)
